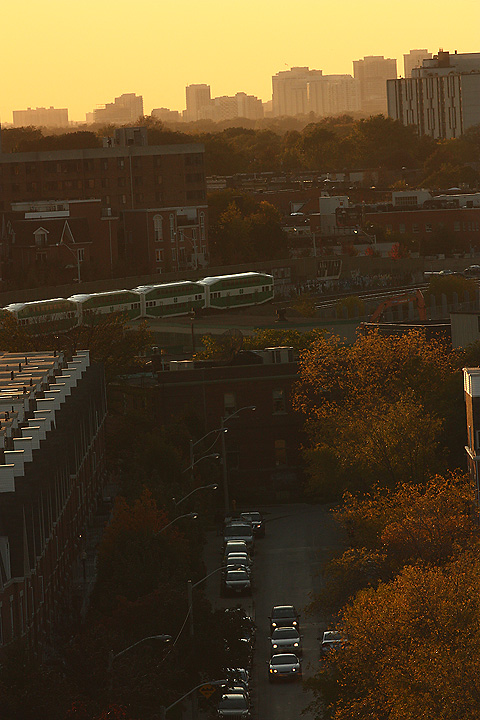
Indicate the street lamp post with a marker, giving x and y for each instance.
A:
(112, 656)
(192, 515)
(215, 683)
(214, 486)
(76, 254)
(190, 587)
(223, 420)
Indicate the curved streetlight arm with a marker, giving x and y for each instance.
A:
(214, 486)
(165, 638)
(199, 582)
(247, 407)
(164, 710)
(204, 457)
(216, 430)
(192, 515)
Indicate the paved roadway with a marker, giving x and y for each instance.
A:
(287, 564)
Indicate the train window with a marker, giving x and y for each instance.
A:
(175, 300)
(241, 291)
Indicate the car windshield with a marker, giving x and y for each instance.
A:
(253, 516)
(283, 612)
(284, 660)
(285, 633)
(332, 636)
(238, 530)
(233, 702)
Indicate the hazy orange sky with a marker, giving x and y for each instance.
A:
(83, 53)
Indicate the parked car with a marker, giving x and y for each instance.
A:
(234, 705)
(331, 640)
(234, 546)
(284, 616)
(472, 271)
(285, 666)
(241, 558)
(257, 521)
(236, 530)
(237, 582)
(286, 640)
(238, 674)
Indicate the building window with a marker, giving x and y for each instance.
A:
(158, 255)
(202, 227)
(172, 227)
(401, 228)
(415, 228)
(280, 452)
(41, 257)
(80, 254)
(428, 227)
(174, 255)
(229, 404)
(158, 228)
(121, 182)
(456, 226)
(278, 401)
(120, 163)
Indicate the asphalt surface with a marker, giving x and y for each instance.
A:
(287, 570)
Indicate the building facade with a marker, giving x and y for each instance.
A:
(290, 91)
(126, 108)
(41, 117)
(372, 72)
(262, 445)
(52, 434)
(441, 98)
(414, 59)
(58, 241)
(197, 97)
(126, 174)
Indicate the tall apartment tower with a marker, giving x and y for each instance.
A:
(41, 117)
(441, 99)
(126, 108)
(414, 59)
(290, 91)
(197, 97)
(373, 72)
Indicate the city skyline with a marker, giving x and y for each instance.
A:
(92, 52)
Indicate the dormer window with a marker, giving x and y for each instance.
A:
(40, 236)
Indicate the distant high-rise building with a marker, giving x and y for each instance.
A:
(197, 97)
(127, 108)
(373, 72)
(333, 95)
(414, 59)
(229, 107)
(290, 90)
(41, 117)
(166, 115)
(441, 99)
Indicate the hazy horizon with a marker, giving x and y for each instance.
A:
(79, 56)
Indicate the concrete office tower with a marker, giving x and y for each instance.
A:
(373, 72)
(414, 59)
(290, 90)
(442, 98)
(125, 109)
(41, 117)
(197, 97)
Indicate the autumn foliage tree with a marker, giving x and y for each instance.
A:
(376, 411)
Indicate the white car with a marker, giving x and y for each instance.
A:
(284, 666)
(286, 640)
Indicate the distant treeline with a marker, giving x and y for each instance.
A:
(288, 145)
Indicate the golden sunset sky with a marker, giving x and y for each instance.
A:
(83, 53)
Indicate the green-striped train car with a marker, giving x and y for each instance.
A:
(240, 290)
(108, 303)
(42, 316)
(171, 299)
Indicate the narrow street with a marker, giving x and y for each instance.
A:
(287, 570)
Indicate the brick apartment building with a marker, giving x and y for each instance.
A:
(462, 222)
(52, 419)
(53, 241)
(262, 446)
(158, 192)
(126, 174)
